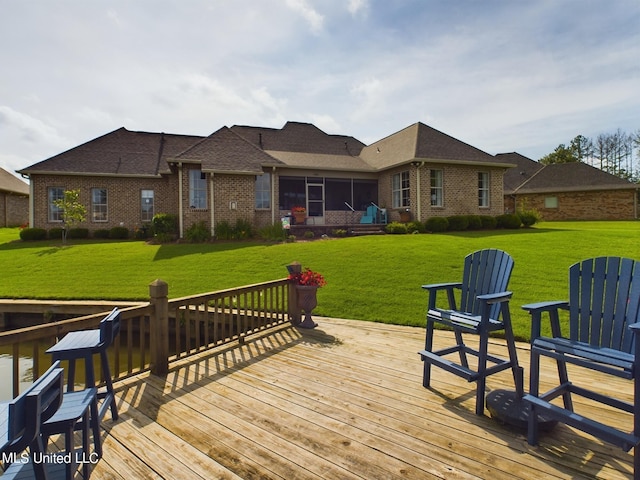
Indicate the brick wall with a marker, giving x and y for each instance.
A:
(14, 209)
(123, 198)
(460, 191)
(591, 205)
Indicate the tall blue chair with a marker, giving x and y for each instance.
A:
(483, 309)
(24, 416)
(604, 320)
(83, 345)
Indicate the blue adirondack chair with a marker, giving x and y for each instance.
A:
(484, 308)
(25, 415)
(604, 316)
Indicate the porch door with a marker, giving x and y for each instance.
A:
(315, 201)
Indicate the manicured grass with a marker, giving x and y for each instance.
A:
(370, 278)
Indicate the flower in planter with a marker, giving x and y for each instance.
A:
(308, 277)
(299, 210)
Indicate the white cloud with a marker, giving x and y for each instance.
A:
(494, 74)
(314, 19)
(356, 7)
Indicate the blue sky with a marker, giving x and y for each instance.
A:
(502, 75)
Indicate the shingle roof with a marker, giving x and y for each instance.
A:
(300, 137)
(121, 152)
(575, 176)
(12, 184)
(321, 161)
(423, 143)
(524, 169)
(225, 151)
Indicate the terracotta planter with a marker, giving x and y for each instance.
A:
(307, 301)
(299, 217)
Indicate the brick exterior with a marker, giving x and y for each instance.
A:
(14, 209)
(460, 191)
(586, 205)
(123, 198)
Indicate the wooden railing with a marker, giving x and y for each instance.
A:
(163, 330)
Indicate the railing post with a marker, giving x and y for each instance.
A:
(159, 327)
(294, 311)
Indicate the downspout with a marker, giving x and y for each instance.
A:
(419, 199)
(273, 195)
(180, 206)
(31, 204)
(212, 205)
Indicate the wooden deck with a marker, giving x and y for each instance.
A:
(344, 401)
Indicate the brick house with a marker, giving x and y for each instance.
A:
(259, 174)
(568, 191)
(14, 200)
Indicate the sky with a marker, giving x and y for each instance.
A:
(501, 75)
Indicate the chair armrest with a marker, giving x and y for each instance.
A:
(635, 328)
(536, 310)
(498, 297)
(442, 286)
(545, 306)
(434, 288)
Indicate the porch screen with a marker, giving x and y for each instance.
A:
(292, 192)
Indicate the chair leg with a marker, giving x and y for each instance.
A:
(534, 390)
(564, 380)
(482, 369)
(461, 351)
(428, 346)
(518, 371)
(85, 445)
(104, 360)
(95, 428)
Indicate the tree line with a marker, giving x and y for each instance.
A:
(617, 153)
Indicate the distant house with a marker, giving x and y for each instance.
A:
(568, 191)
(14, 200)
(259, 174)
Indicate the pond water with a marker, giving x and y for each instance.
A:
(6, 383)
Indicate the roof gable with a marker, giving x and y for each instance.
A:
(524, 169)
(300, 137)
(423, 143)
(12, 184)
(225, 151)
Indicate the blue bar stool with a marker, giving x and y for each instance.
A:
(84, 344)
(77, 412)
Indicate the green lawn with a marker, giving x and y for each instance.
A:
(370, 278)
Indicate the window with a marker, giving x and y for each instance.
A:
(551, 202)
(146, 205)
(400, 189)
(263, 191)
(53, 194)
(483, 189)
(197, 189)
(436, 188)
(99, 204)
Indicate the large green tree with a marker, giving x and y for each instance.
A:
(562, 154)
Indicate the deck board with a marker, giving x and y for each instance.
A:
(343, 401)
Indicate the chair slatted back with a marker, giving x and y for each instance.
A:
(604, 299)
(33, 406)
(485, 271)
(110, 327)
